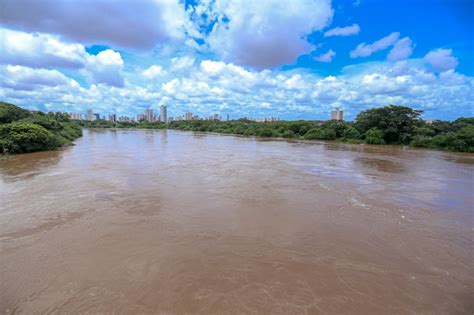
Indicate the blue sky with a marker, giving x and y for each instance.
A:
(294, 59)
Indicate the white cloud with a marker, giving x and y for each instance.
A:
(218, 87)
(106, 68)
(326, 57)
(264, 34)
(441, 59)
(365, 50)
(401, 50)
(39, 50)
(181, 63)
(153, 71)
(139, 25)
(25, 78)
(354, 29)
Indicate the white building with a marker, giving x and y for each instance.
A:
(337, 114)
(149, 114)
(163, 113)
(90, 114)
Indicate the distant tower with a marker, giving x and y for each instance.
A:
(90, 114)
(163, 113)
(149, 114)
(228, 117)
(337, 114)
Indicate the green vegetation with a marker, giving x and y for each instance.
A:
(24, 131)
(386, 125)
(391, 124)
(127, 124)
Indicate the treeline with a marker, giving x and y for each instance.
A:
(143, 124)
(386, 125)
(24, 131)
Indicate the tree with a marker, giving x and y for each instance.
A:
(21, 137)
(10, 112)
(396, 122)
(374, 136)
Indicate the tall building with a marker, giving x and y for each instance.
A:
(337, 114)
(228, 117)
(96, 117)
(163, 113)
(188, 116)
(141, 117)
(112, 117)
(75, 116)
(149, 114)
(215, 117)
(90, 114)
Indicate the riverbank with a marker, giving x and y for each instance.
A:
(394, 125)
(24, 131)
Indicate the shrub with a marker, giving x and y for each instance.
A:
(22, 137)
(374, 136)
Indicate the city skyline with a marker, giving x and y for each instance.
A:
(148, 115)
(296, 60)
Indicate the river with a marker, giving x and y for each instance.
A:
(169, 222)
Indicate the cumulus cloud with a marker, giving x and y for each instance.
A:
(326, 57)
(153, 71)
(39, 51)
(354, 29)
(441, 59)
(211, 86)
(181, 63)
(106, 68)
(25, 78)
(139, 25)
(365, 50)
(263, 34)
(401, 50)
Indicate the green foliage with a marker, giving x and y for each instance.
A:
(396, 122)
(374, 136)
(10, 112)
(350, 133)
(323, 133)
(22, 137)
(23, 131)
(391, 124)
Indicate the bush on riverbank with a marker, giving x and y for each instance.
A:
(23, 131)
(386, 125)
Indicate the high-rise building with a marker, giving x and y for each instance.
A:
(337, 114)
(141, 117)
(149, 114)
(215, 117)
(163, 113)
(112, 117)
(96, 117)
(228, 117)
(75, 116)
(188, 116)
(90, 114)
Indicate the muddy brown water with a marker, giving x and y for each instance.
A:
(169, 222)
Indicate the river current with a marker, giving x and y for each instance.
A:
(169, 222)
